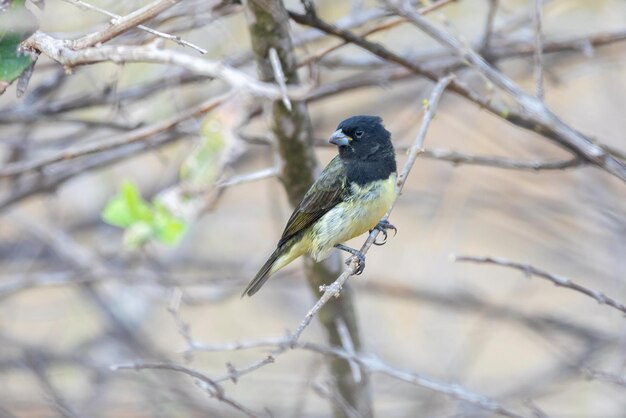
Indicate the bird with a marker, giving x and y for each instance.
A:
(349, 197)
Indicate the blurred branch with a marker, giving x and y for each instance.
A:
(389, 24)
(485, 44)
(62, 52)
(604, 377)
(500, 162)
(32, 111)
(370, 363)
(122, 24)
(37, 364)
(150, 10)
(49, 182)
(538, 56)
(535, 117)
(136, 135)
(464, 303)
(214, 389)
(560, 281)
(530, 105)
(375, 365)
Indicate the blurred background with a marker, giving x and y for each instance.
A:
(79, 295)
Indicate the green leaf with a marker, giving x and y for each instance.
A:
(116, 213)
(12, 63)
(126, 208)
(138, 208)
(141, 220)
(16, 24)
(168, 229)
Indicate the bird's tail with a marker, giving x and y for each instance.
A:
(264, 273)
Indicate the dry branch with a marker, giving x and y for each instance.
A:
(122, 24)
(532, 106)
(213, 388)
(560, 281)
(136, 135)
(155, 32)
(62, 52)
(536, 117)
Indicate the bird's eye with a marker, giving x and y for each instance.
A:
(358, 133)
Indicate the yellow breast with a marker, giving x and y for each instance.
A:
(367, 204)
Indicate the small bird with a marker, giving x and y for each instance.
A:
(349, 198)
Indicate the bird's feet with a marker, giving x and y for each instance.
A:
(355, 253)
(383, 226)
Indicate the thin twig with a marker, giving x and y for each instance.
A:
(538, 55)
(530, 104)
(279, 76)
(212, 387)
(136, 135)
(373, 364)
(377, 28)
(122, 24)
(491, 17)
(501, 162)
(174, 38)
(536, 118)
(605, 377)
(61, 51)
(557, 280)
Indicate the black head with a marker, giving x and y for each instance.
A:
(362, 138)
(365, 145)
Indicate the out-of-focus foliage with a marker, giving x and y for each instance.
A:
(142, 220)
(201, 166)
(16, 24)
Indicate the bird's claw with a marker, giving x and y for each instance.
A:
(360, 257)
(383, 226)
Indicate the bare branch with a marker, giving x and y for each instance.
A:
(213, 388)
(377, 28)
(373, 364)
(500, 162)
(535, 117)
(531, 105)
(122, 24)
(61, 51)
(538, 56)
(136, 135)
(605, 377)
(174, 38)
(279, 76)
(485, 44)
(557, 280)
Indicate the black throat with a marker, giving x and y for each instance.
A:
(364, 171)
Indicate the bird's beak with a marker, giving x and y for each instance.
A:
(339, 138)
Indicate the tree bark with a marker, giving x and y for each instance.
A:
(269, 28)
